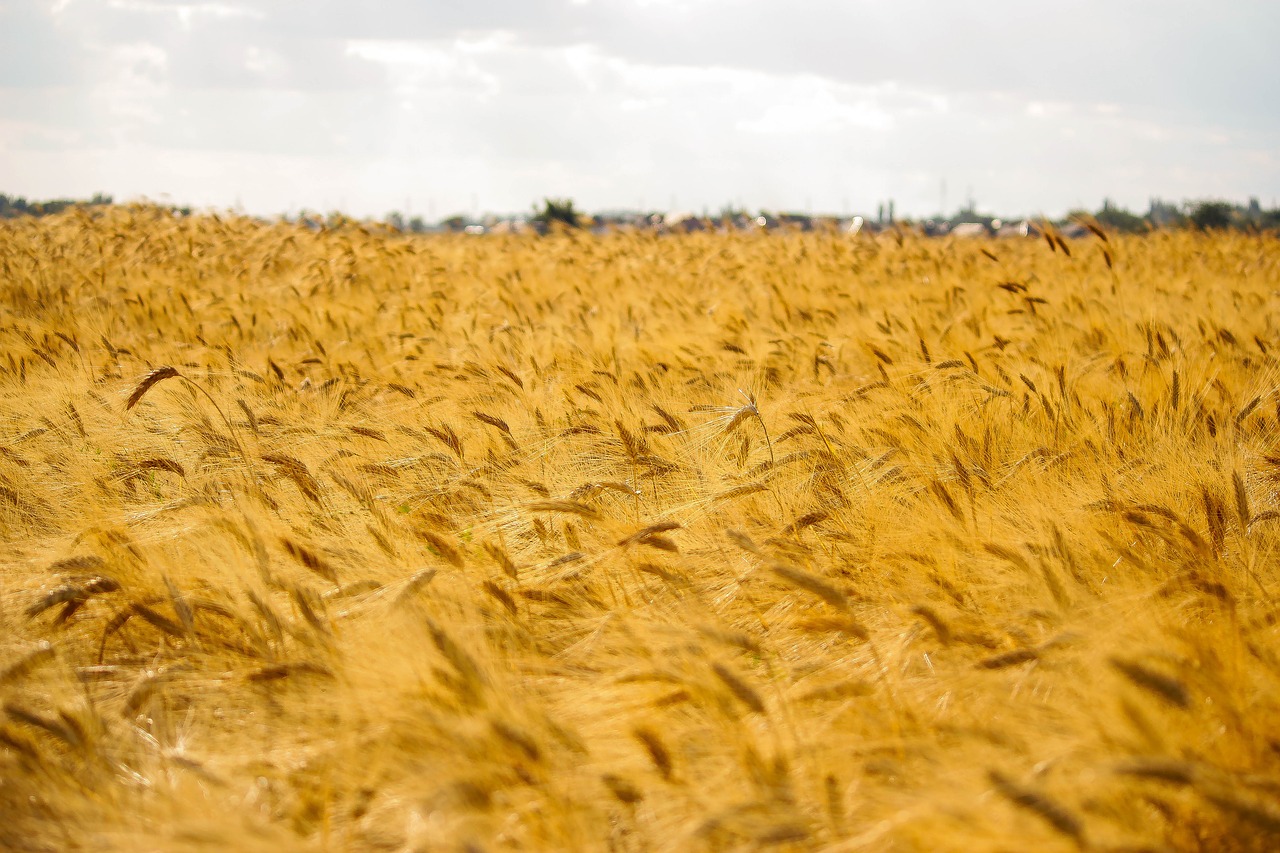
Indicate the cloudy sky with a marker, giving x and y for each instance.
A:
(829, 105)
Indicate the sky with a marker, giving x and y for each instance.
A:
(436, 108)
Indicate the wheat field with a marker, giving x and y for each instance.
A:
(347, 540)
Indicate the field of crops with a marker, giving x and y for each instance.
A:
(346, 540)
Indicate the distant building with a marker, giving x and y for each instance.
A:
(1022, 228)
(683, 221)
(969, 230)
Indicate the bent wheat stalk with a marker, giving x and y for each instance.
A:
(164, 372)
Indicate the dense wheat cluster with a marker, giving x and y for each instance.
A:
(346, 540)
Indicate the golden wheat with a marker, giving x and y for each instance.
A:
(720, 541)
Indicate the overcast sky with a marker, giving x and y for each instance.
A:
(445, 107)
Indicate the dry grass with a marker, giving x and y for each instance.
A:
(712, 542)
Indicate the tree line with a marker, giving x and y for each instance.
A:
(1204, 214)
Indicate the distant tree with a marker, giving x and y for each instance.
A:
(1119, 219)
(417, 225)
(455, 223)
(1269, 220)
(396, 220)
(970, 215)
(1211, 215)
(1165, 214)
(556, 210)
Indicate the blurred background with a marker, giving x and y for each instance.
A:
(439, 109)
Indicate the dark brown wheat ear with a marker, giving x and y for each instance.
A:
(168, 372)
(151, 379)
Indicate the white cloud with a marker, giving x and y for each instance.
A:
(187, 14)
(35, 136)
(413, 67)
(137, 80)
(806, 105)
(263, 62)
